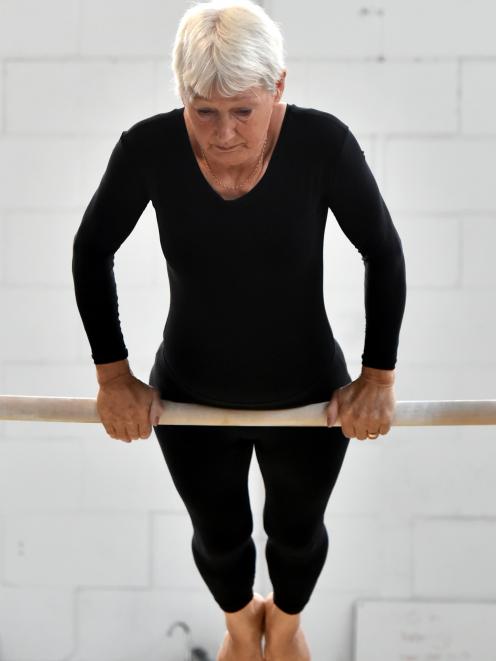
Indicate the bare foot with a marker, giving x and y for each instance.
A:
(284, 637)
(243, 638)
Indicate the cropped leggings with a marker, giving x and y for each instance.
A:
(209, 467)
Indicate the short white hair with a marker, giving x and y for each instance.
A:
(226, 46)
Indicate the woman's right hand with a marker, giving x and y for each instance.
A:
(128, 407)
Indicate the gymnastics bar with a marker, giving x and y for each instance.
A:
(407, 413)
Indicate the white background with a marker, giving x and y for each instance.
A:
(94, 540)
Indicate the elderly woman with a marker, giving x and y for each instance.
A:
(241, 183)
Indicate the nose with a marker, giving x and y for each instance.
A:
(225, 131)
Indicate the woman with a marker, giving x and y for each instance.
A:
(241, 183)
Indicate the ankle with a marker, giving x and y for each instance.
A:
(274, 611)
(244, 623)
(278, 621)
(249, 610)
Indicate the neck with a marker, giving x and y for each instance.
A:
(238, 172)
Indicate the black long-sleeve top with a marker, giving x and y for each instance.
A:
(247, 325)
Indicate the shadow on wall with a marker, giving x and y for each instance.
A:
(165, 650)
(193, 653)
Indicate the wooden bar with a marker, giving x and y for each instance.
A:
(407, 413)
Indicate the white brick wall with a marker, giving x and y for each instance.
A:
(94, 540)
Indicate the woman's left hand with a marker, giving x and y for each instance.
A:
(365, 408)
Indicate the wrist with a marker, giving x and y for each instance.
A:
(106, 372)
(378, 376)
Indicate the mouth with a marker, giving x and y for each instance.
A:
(227, 148)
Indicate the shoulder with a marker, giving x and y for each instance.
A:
(318, 128)
(149, 134)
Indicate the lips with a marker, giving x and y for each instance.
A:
(226, 148)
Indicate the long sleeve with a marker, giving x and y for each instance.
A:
(109, 218)
(362, 214)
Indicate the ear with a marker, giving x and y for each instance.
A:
(280, 85)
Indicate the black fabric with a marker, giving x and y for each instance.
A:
(299, 465)
(247, 325)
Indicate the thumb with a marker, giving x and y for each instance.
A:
(156, 408)
(332, 410)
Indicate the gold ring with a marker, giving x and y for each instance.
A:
(372, 435)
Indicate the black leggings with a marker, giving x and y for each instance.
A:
(209, 467)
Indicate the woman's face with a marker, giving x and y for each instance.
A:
(232, 130)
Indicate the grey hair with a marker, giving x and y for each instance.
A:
(226, 46)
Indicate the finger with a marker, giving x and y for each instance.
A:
(156, 408)
(383, 429)
(132, 430)
(122, 434)
(348, 430)
(361, 434)
(110, 429)
(346, 425)
(332, 411)
(145, 429)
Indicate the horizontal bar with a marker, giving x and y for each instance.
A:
(407, 413)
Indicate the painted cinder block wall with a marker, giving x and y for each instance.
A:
(94, 540)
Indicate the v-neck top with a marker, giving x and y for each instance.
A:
(247, 325)
(199, 174)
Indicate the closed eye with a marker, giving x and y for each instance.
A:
(244, 111)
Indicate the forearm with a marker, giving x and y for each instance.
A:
(385, 296)
(97, 302)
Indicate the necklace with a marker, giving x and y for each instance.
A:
(221, 183)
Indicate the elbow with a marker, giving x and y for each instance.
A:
(79, 244)
(390, 257)
(389, 250)
(88, 257)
